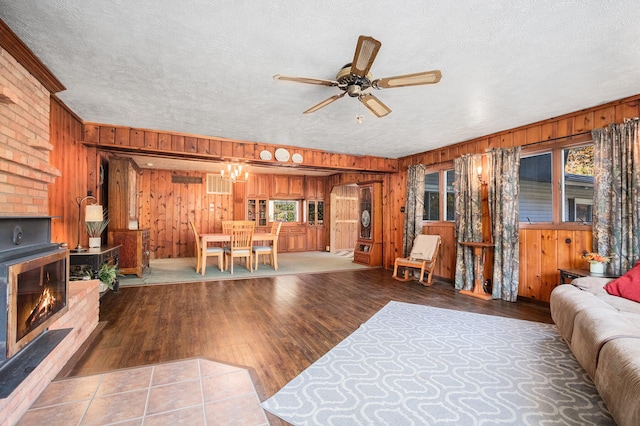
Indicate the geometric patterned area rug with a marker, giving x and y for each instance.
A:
(415, 365)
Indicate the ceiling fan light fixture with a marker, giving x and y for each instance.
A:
(354, 90)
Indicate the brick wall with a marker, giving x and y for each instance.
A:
(25, 172)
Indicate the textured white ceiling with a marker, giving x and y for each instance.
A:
(206, 67)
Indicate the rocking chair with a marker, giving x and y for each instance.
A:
(423, 256)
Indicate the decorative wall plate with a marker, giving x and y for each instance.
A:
(282, 154)
(296, 158)
(265, 155)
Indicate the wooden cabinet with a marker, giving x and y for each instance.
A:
(315, 225)
(258, 186)
(368, 250)
(123, 194)
(287, 187)
(314, 187)
(257, 210)
(296, 238)
(134, 250)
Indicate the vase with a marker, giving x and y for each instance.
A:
(95, 242)
(596, 267)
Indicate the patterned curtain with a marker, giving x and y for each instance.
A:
(414, 208)
(468, 206)
(503, 188)
(616, 194)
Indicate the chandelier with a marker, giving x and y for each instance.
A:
(233, 172)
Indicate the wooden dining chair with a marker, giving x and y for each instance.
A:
(226, 226)
(241, 243)
(201, 264)
(271, 250)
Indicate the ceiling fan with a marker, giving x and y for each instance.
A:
(355, 79)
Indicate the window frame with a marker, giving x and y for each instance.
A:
(441, 169)
(557, 178)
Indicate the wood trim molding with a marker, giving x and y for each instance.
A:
(10, 42)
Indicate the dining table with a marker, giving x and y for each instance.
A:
(220, 237)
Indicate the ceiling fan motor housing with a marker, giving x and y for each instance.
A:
(354, 85)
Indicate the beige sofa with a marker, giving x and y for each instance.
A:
(603, 332)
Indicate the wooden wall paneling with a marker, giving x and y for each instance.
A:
(583, 122)
(565, 127)
(548, 263)
(144, 205)
(122, 136)
(531, 259)
(566, 244)
(107, 135)
(190, 144)
(136, 138)
(164, 142)
(151, 140)
(548, 130)
(177, 143)
(446, 264)
(70, 157)
(161, 199)
(239, 211)
(534, 134)
(91, 132)
(506, 141)
(604, 116)
(203, 146)
(215, 147)
(626, 110)
(226, 149)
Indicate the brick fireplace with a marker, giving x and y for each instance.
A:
(26, 86)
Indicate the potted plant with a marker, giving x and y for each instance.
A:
(107, 275)
(596, 261)
(95, 230)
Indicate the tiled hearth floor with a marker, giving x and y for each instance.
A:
(189, 392)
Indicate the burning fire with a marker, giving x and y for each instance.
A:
(45, 304)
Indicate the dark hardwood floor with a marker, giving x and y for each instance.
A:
(276, 326)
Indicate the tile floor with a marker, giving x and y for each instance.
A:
(189, 392)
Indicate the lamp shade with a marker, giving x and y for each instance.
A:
(93, 213)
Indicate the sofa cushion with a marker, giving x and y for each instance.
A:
(593, 329)
(596, 286)
(627, 286)
(567, 301)
(618, 379)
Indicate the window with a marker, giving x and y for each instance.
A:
(435, 191)
(284, 210)
(536, 197)
(571, 199)
(450, 205)
(577, 184)
(431, 196)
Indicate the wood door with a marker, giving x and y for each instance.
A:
(344, 217)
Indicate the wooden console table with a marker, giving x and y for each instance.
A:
(479, 251)
(569, 274)
(94, 258)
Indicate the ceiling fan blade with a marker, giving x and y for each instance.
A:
(324, 103)
(375, 105)
(317, 81)
(417, 79)
(366, 51)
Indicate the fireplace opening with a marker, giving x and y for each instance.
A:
(37, 296)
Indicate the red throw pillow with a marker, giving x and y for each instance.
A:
(627, 286)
